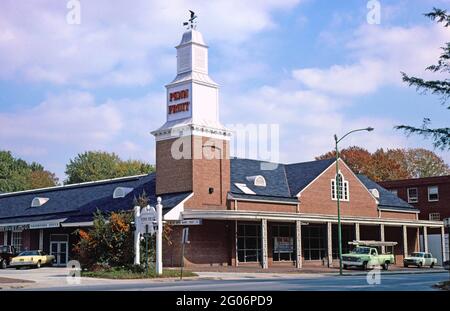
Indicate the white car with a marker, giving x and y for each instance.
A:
(420, 259)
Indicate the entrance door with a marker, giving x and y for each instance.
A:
(60, 251)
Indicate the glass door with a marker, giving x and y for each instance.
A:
(60, 251)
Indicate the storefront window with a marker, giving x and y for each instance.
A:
(249, 242)
(283, 242)
(17, 240)
(314, 240)
(348, 235)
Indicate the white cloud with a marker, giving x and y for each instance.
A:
(378, 56)
(118, 43)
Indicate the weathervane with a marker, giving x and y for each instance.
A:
(191, 24)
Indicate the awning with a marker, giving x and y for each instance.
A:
(42, 224)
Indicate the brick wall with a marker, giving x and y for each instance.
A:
(267, 207)
(211, 244)
(316, 198)
(398, 215)
(426, 207)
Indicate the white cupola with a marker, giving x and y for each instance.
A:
(192, 102)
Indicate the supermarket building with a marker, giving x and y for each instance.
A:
(251, 213)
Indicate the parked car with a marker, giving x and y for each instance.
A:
(366, 257)
(420, 259)
(6, 253)
(32, 259)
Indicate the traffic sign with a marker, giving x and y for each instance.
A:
(185, 236)
(188, 222)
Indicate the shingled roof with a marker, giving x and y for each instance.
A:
(79, 202)
(387, 200)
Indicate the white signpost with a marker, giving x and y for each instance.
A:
(148, 220)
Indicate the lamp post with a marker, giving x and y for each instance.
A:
(338, 192)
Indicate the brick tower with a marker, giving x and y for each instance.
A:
(192, 147)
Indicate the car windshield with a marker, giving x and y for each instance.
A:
(361, 250)
(417, 255)
(28, 253)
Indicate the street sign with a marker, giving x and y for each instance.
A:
(188, 222)
(147, 219)
(185, 236)
(447, 222)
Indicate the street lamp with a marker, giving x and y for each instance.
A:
(338, 192)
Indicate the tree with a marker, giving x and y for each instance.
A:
(17, 175)
(98, 165)
(392, 164)
(424, 163)
(108, 243)
(440, 136)
(357, 158)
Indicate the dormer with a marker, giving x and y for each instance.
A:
(37, 201)
(121, 192)
(258, 180)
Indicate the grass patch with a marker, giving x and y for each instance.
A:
(121, 273)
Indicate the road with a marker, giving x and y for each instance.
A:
(388, 282)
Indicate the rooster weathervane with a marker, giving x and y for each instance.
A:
(191, 23)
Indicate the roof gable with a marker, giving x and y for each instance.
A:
(300, 175)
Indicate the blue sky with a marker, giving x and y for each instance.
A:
(314, 67)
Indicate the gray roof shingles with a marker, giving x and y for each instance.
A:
(81, 201)
(387, 198)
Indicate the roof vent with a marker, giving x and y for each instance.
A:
(375, 193)
(121, 192)
(38, 201)
(244, 188)
(258, 180)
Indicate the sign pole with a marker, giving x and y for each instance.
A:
(137, 235)
(159, 265)
(146, 250)
(182, 257)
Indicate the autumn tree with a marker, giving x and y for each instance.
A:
(440, 136)
(392, 164)
(98, 165)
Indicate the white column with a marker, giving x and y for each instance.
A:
(382, 237)
(405, 241)
(357, 232)
(265, 258)
(5, 238)
(298, 230)
(137, 236)
(444, 254)
(159, 265)
(41, 239)
(425, 239)
(330, 244)
(236, 242)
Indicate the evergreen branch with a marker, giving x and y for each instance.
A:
(441, 136)
(439, 16)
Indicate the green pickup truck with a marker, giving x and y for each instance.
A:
(366, 257)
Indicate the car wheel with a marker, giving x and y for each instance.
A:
(432, 265)
(419, 265)
(38, 265)
(3, 265)
(345, 267)
(386, 266)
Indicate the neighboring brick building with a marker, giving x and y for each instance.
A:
(252, 212)
(430, 195)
